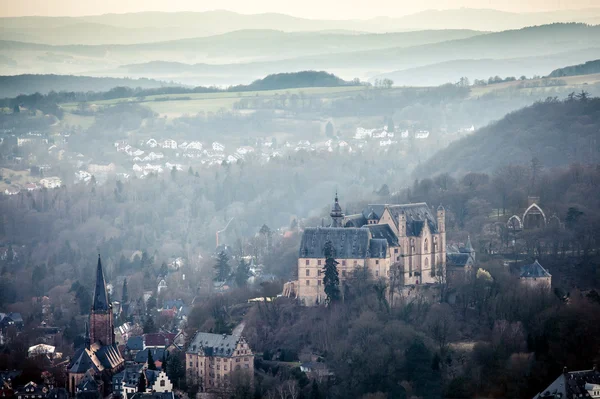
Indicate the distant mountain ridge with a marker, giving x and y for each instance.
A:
(587, 68)
(12, 86)
(138, 27)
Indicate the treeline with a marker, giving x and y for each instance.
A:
(48, 103)
(588, 68)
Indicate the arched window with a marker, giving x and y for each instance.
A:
(426, 262)
(162, 383)
(426, 245)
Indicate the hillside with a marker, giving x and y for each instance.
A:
(538, 41)
(588, 68)
(557, 133)
(12, 86)
(452, 71)
(242, 45)
(131, 28)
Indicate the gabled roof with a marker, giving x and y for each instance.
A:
(378, 248)
(457, 259)
(416, 215)
(84, 362)
(222, 345)
(570, 385)
(534, 270)
(100, 295)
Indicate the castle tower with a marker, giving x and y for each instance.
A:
(337, 216)
(402, 224)
(101, 316)
(441, 219)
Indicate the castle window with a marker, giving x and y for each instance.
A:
(307, 272)
(426, 245)
(319, 273)
(377, 262)
(376, 273)
(355, 262)
(343, 263)
(319, 262)
(318, 282)
(307, 262)
(395, 250)
(162, 383)
(307, 282)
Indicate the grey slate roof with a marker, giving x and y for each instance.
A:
(157, 354)
(135, 344)
(357, 220)
(97, 357)
(83, 362)
(416, 215)
(534, 270)
(383, 231)
(349, 242)
(222, 345)
(378, 248)
(457, 259)
(100, 295)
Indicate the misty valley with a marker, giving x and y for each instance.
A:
(199, 205)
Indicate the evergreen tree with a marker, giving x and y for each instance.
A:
(141, 386)
(149, 326)
(314, 391)
(151, 365)
(329, 129)
(242, 273)
(124, 294)
(222, 268)
(175, 370)
(331, 280)
(164, 270)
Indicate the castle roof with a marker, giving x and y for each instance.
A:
(383, 231)
(222, 345)
(100, 295)
(416, 216)
(534, 270)
(348, 243)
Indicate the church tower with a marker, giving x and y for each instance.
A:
(337, 216)
(101, 316)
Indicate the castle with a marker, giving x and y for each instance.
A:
(408, 237)
(99, 358)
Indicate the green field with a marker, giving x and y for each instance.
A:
(575, 82)
(169, 105)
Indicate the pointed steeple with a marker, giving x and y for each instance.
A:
(469, 247)
(87, 340)
(100, 294)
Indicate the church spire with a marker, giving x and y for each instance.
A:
(100, 295)
(336, 213)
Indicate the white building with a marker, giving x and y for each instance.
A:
(216, 146)
(51, 182)
(171, 144)
(152, 143)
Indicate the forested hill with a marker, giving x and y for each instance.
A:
(12, 86)
(555, 132)
(588, 68)
(293, 80)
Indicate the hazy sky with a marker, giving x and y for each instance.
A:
(334, 9)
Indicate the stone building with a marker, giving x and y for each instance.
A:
(212, 359)
(100, 357)
(535, 275)
(409, 238)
